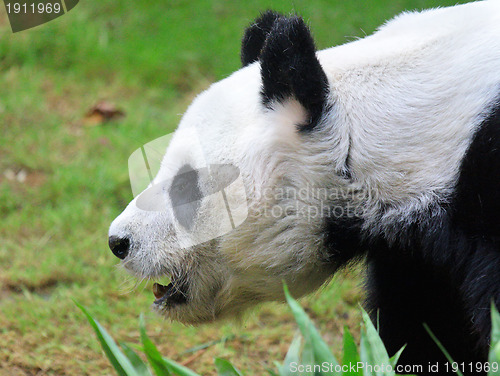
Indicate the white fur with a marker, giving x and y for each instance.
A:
(406, 102)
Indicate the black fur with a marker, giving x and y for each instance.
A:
(344, 241)
(255, 36)
(289, 68)
(478, 193)
(475, 215)
(443, 269)
(404, 292)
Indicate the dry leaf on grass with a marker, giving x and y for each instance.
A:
(102, 112)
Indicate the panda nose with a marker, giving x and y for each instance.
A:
(119, 246)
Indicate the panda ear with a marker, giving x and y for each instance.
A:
(255, 36)
(290, 69)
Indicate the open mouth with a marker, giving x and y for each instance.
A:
(170, 295)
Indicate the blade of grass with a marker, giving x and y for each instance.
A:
(308, 358)
(351, 355)
(494, 355)
(441, 347)
(178, 369)
(395, 357)
(378, 351)
(271, 372)
(365, 353)
(224, 368)
(154, 357)
(140, 367)
(118, 360)
(320, 349)
(292, 356)
(208, 344)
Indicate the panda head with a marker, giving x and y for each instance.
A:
(265, 127)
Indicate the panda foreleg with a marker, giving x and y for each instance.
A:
(404, 292)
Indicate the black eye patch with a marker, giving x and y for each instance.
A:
(184, 195)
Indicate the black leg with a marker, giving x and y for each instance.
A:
(404, 293)
(480, 286)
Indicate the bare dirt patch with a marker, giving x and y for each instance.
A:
(43, 287)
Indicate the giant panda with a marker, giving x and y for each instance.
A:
(400, 128)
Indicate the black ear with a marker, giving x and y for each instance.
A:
(255, 36)
(289, 68)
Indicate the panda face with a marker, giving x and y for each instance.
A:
(242, 129)
(237, 206)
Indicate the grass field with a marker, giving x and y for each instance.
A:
(63, 180)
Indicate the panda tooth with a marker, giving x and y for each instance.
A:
(159, 290)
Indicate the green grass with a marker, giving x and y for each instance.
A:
(308, 353)
(150, 59)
